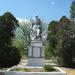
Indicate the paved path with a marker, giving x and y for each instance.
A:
(69, 71)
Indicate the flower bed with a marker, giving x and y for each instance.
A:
(46, 68)
(35, 71)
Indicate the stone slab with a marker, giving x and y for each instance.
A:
(36, 62)
(35, 73)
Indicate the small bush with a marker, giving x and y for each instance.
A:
(9, 56)
(48, 68)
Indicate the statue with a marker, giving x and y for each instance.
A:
(36, 50)
(36, 29)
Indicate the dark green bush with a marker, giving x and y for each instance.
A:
(9, 57)
(48, 68)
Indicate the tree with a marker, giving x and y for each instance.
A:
(52, 33)
(64, 33)
(9, 55)
(66, 47)
(20, 42)
(25, 27)
(22, 36)
(52, 40)
(72, 11)
(61, 40)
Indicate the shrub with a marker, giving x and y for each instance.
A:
(9, 57)
(48, 68)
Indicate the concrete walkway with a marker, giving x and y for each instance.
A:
(69, 71)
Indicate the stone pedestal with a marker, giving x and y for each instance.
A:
(36, 54)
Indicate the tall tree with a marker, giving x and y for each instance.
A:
(52, 40)
(66, 43)
(9, 56)
(52, 33)
(72, 10)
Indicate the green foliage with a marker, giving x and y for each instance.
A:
(48, 53)
(9, 55)
(20, 42)
(25, 27)
(50, 50)
(72, 10)
(51, 33)
(21, 69)
(22, 38)
(66, 47)
(52, 25)
(64, 21)
(68, 52)
(48, 68)
(61, 40)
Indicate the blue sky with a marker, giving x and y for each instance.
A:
(45, 9)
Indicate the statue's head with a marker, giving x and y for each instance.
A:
(36, 17)
(36, 20)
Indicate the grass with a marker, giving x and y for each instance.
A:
(3, 69)
(28, 69)
(46, 68)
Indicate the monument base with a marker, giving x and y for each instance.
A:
(36, 54)
(36, 62)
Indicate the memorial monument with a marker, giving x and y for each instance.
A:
(36, 49)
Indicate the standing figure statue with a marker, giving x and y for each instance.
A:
(36, 29)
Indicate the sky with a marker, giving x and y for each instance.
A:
(47, 10)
